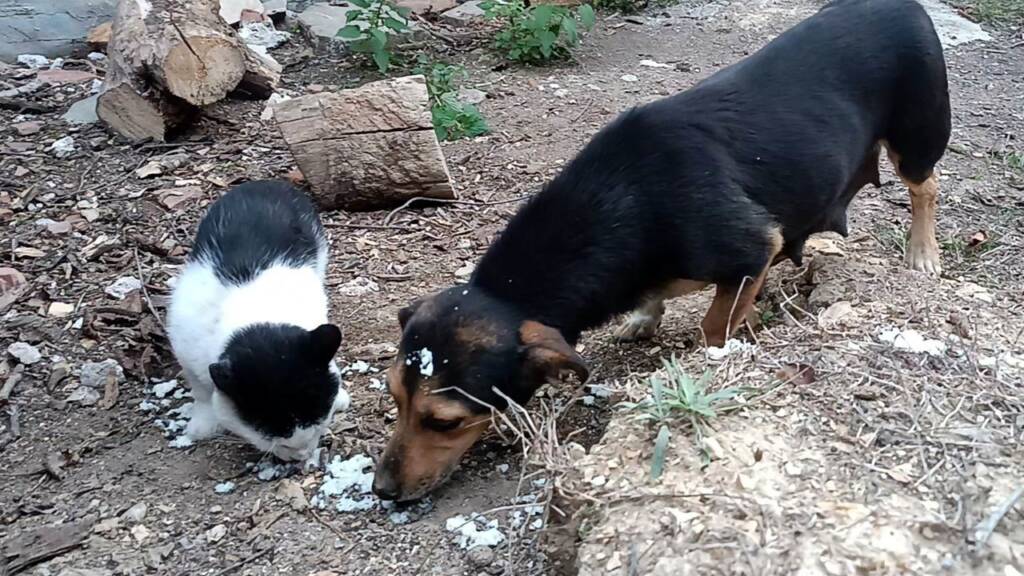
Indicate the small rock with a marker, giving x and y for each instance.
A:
(21, 172)
(472, 95)
(96, 56)
(141, 533)
(60, 309)
(629, 78)
(84, 395)
(27, 128)
(263, 34)
(63, 148)
(480, 556)
(216, 534)
(34, 61)
(358, 287)
(83, 111)
(61, 77)
(122, 287)
(107, 526)
(25, 353)
(136, 513)
(465, 271)
(95, 374)
(463, 14)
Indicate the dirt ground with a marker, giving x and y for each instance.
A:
(891, 461)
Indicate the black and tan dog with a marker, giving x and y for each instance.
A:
(710, 186)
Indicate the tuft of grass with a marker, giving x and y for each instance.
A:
(676, 396)
(1009, 12)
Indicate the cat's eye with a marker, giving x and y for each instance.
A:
(439, 425)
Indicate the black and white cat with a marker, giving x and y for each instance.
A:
(248, 322)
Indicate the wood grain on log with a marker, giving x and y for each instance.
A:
(367, 148)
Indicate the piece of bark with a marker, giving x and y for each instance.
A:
(31, 547)
(367, 148)
(99, 37)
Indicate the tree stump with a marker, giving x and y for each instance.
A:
(169, 57)
(368, 148)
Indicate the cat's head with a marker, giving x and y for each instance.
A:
(277, 387)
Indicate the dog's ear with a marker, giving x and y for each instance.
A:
(406, 313)
(547, 354)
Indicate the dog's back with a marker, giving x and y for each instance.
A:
(693, 186)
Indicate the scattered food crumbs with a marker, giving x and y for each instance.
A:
(475, 531)
(224, 487)
(912, 341)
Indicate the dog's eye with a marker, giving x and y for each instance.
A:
(438, 425)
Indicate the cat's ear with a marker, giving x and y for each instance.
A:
(324, 342)
(220, 373)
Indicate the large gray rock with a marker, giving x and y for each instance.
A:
(49, 27)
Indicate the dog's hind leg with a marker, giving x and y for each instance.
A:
(642, 323)
(735, 300)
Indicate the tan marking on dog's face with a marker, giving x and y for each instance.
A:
(432, 433)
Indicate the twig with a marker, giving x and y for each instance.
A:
(983, 531)
(428, 28)
(247, 560)
(410, 201)
(145, 293)
(12, 381)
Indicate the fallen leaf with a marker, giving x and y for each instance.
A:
(151, 169)
(171, 198)
(798, 374)
(824, 246)
(60, 76)
(28, 252)
(902, 473)
(290, 492)
(12, 286)
(836, 314)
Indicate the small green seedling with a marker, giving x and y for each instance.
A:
(538, 33)
(371, 26)
(676, 396)
(452, 118)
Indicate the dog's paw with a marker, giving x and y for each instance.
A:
(924, 257)
(637, 326)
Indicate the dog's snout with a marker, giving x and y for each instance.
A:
(385, 486)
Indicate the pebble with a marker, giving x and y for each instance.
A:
(136, 513)
(216, 534)
(224, 487)
(95, 374)
(629, 78)
(480, 556)
(24, 352)
(63, 148)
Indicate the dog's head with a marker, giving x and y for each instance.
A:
(458, 347)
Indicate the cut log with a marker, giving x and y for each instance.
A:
(169, 57)
(368, 148)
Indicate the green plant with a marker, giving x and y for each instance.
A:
(677, 396)
(371, 26)
(538, 33)
(452, 118)
(995, 11)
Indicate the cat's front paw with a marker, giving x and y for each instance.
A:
(203, 425)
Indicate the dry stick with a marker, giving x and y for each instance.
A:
(145, 293)
(12, 381)
(409, 202)
(247, 560)
(983, 531)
